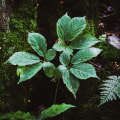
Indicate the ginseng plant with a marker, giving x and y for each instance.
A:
(75, 49)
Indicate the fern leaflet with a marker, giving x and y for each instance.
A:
(110, 89)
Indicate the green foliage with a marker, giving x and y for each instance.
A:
(64, 58)
(19, 115)
(59, 71)
(102, 37)
(50, 112)
(38, 43)
(109, 53)
(54, 110)
(27, 72)
(110, 89)
(72, 83)
(84, 41)
(71, 67)
(83, 71)
(23, 58)
(85, 54)
(22, 19)
(51, 53)
(68, 30)
(59, 47)
(49, 69)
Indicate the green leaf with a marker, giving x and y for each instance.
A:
(83, 71)
(62, 27)
(59, 71)
(54, 110)
(68, 29)
(85, 54)
(69, 50)
(49, 69)
(19, 115)
(71, 82)
(58, 47)
(50, 54)
(27, 72)
(75, 27)
(84, 42)
(103, 37)
(38, 43)
(23, 58)
(64, 58)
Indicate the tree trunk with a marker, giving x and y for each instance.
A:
(5, 12)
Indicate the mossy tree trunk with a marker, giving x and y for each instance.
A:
(17, 17)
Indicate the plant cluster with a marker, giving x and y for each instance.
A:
(75, 50)
(72, 65)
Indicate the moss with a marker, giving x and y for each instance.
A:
(109, 53)
(22, 20)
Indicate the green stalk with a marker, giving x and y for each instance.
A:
(56, 91)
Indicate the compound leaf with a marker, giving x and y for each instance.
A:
(110, 89)
(68, 29)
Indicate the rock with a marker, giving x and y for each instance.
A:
(114, 40)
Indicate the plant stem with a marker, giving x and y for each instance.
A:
(56, 91)
(106, 15)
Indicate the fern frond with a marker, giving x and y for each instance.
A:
(110, 89)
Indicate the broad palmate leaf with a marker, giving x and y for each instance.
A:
(84, 41)
(49, 69)
(68, 29)
(85, 54)
(110, 89)
(83, 71)
(64, 58)
(54, 110)
(50, 55)
(23, 58)
(71, 82)
(27, 72)
(38, 43)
